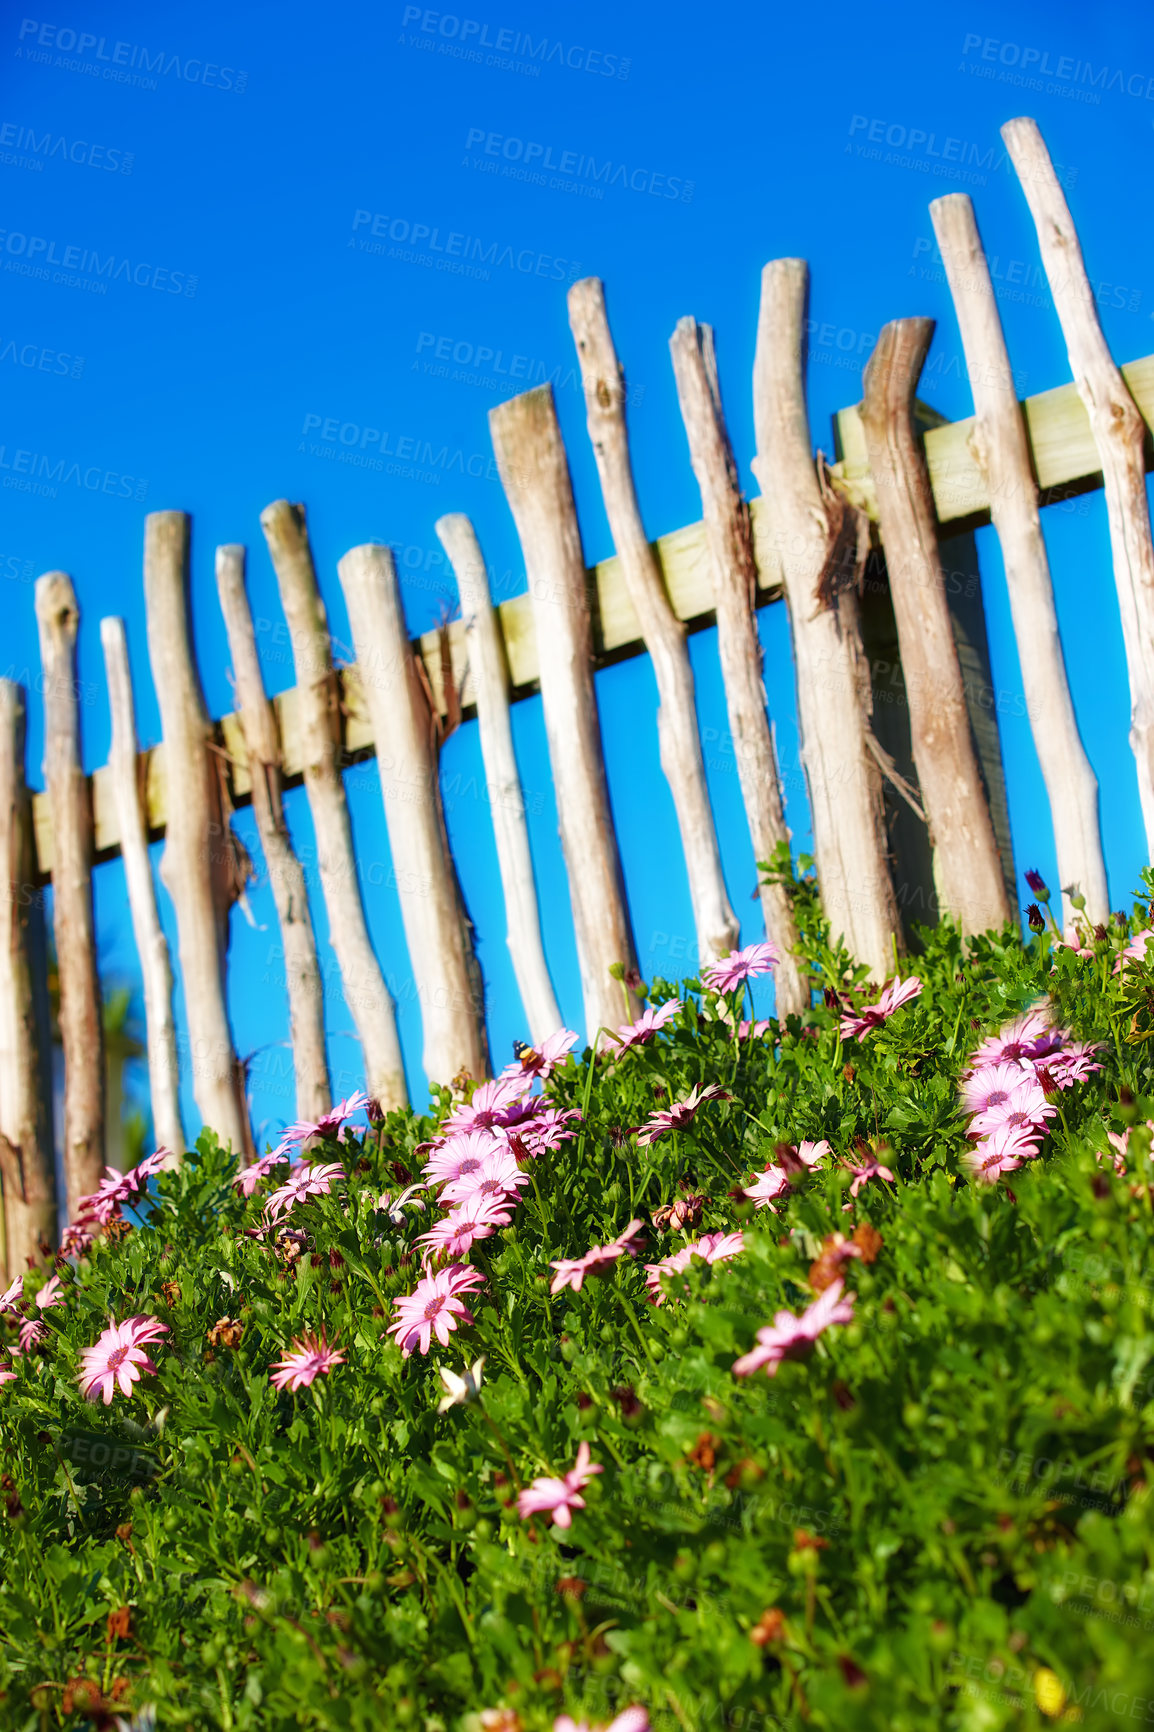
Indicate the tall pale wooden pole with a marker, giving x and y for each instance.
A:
(27, 1166)
(286, 874)
(677, 731)
(438, 932)
(124, 767)
(202, 867)
(727, 530)
(319, 721)
(819, 539)
(489, 670)
(74, 927)
(1119, 434)
(534, 471)
(1002, 453)
(967, 868)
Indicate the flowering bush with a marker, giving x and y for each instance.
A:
(830, 1404)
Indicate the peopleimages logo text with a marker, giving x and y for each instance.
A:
(1068, 70)
(575, 164)
(54, 144)
(518, 43)
(35, 253)
(126, 57)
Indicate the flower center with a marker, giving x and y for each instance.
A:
(998, 1096)
(433, 1307)
(117, 1358)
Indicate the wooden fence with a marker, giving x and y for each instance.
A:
(899, 797)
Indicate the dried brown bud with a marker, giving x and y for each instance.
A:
(770, 1627)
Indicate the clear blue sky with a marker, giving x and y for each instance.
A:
(240, 159)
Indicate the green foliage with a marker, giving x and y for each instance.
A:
(937, 1520)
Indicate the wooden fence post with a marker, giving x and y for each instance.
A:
(1119, 434)
(69, 796)
(438, 932)
(822, 546)
(286, 875)
(27, 1166)
(534, 471)
(204, 866)
(728, 533)
(366, 994)
(677, 731)
(967, 868)
(490, 675)
(151, 945)
(1002, 452)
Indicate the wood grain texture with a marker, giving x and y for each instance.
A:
(1118, 429)
(967, 869)
(819, 543)
(730, 542)
(438, 932)
(534, 471)
(27, 1163)
(261, 741)
(151, 944)
(203, 866)
(1002, 453)
(490, 682)
(73, 920)
(310, 731)
(679, 739)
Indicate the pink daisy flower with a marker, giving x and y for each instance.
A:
(462, 1153)
(548, 1129)
(6, 1375)
(767, 1186)
(871, 1169)
(1074, 939)
(805, 1157)
(753, 1030)
(1074, 1064)
(308, 1357)
(498, 1176)
(32, 1332)
(855, 1026)
(1024, 1104)
(249, 1178)
(304, 1181)
(434, 1307)
(559, 1497)
(118, 1358)
(790, 1337)
(478, 1218)
(12, 1295)
(490, 1105)
(739, 966)
(50, 1294)
(1135, 951)
(1003, 1151)
(115, 1188)
(1026, 1038)
(629, 1720)
(598, 1259)
(710, 1248)
(991, 1085)
(77, 1237)
(303, 1131)
(681, 1113)
(541, 1061)
(641, 1032)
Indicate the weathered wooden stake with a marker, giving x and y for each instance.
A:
(366, 994)
(74, 927)
(286, 875)
(677, 731)
(967, 869)
(490, 675)
(27, 1168)
(1002, 452)
(730, 541)
(152, 947)
(821, 542)
(1119, 434)
(438, 932)
(203, 867)
(534, 471)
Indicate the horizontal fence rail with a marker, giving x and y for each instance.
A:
(1065, 461)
